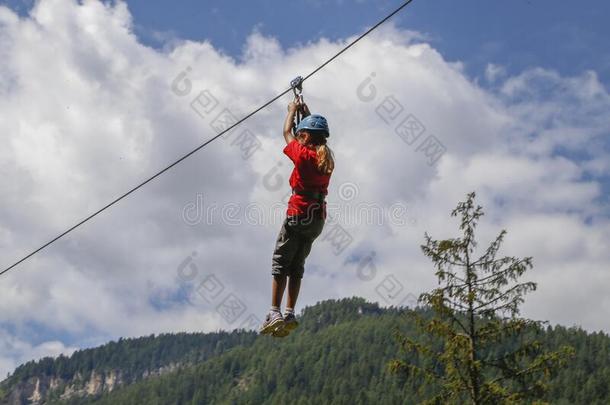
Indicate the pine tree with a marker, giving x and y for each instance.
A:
(478, 350)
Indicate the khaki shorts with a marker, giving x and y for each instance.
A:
(294, 244)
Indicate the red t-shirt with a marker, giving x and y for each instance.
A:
(305, 176)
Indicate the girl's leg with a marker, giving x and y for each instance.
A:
(286, 246)
(278, 285)
(310, 232)
(294, 285)
(274, 321)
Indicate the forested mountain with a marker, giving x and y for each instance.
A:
(339, 354)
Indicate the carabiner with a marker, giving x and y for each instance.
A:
(297, 89)
(297, 84)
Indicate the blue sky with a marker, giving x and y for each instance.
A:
(562, 35)
(518, 34)
(530, 134)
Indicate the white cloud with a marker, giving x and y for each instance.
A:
(14, 352)
(494, 72)
(88, 112)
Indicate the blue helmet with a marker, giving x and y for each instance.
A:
(314, 122)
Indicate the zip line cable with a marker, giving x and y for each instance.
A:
(406, 3)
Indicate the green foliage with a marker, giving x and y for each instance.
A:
(133, 357)
(480, 351)
(339, 355)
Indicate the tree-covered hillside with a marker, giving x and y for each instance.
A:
(339, 354)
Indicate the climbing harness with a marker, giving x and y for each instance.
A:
(314, 195)
(318, 196)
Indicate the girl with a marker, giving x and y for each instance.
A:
(306, 213)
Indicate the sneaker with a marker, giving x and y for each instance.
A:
(273, 321)
(280, 332)
(290, 322)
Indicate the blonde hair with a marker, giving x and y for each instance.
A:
(326, 160)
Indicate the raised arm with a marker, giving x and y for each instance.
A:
(289, 122)
(293, 106)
